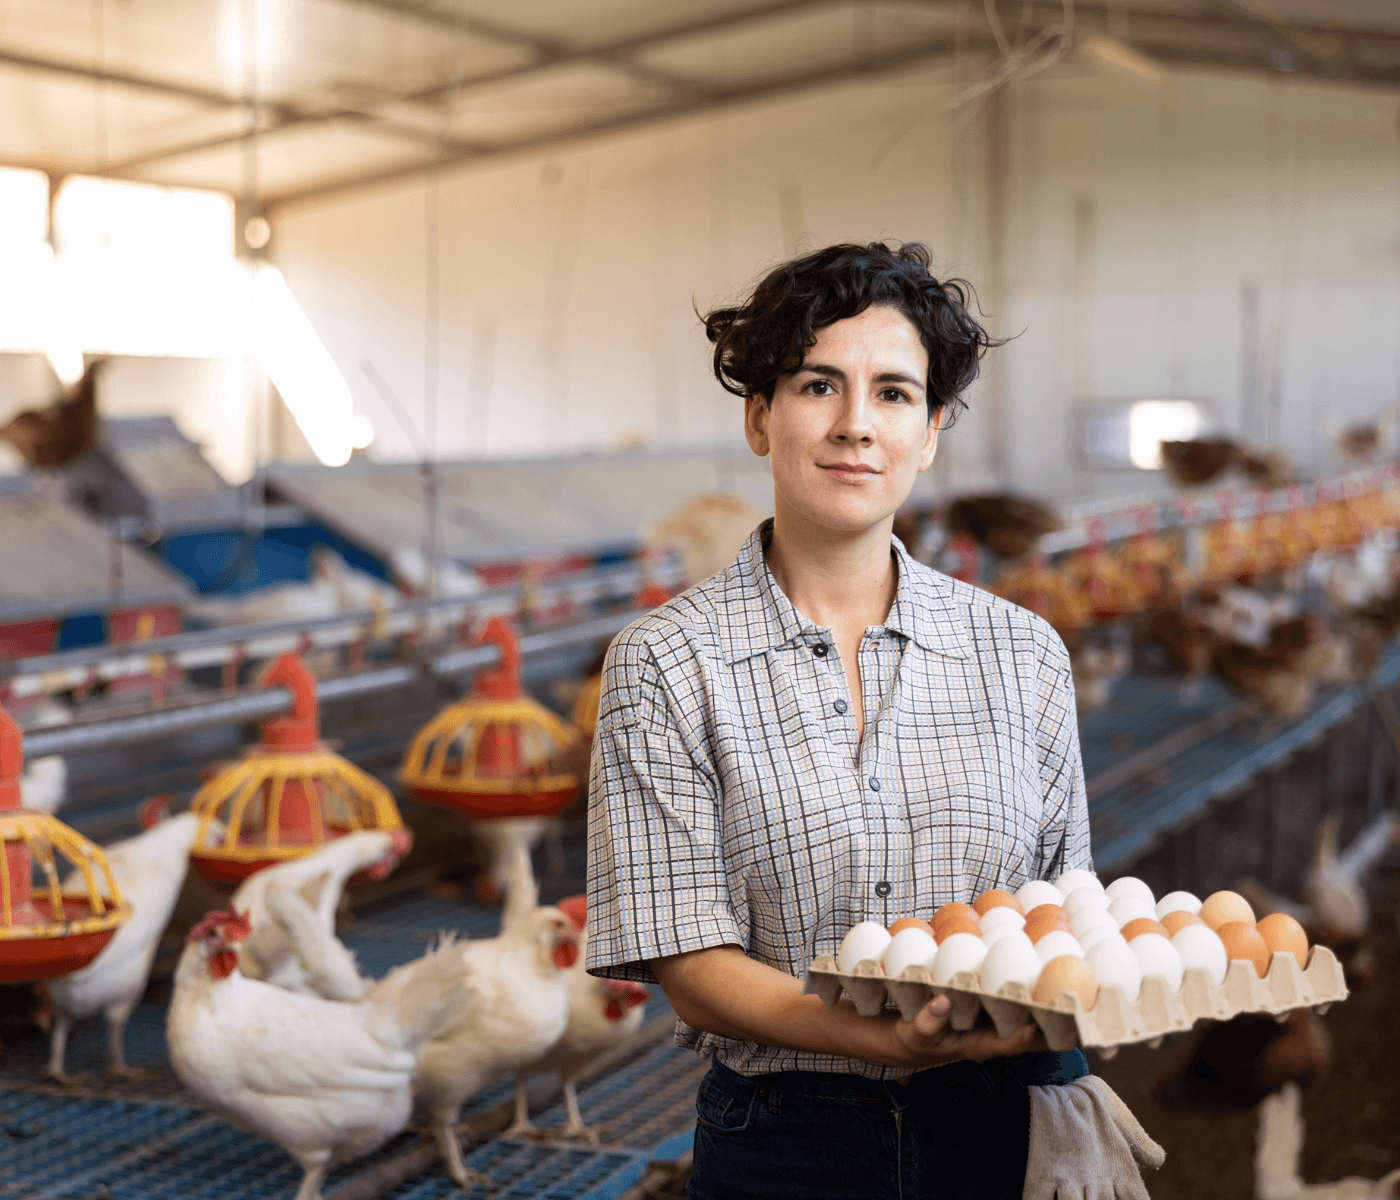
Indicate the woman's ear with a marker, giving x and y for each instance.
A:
(930, 441)
(756, 413)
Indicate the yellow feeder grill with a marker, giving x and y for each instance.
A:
(486, 755)
(289, 795)
(47, 933)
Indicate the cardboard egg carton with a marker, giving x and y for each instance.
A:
(1115, 1021)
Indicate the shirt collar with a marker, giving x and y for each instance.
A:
(756, 616)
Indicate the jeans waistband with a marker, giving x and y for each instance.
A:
(1038, 1069)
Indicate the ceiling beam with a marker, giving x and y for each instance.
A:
(554, 54)
(546, 53)
(789, 83)
(141, 83)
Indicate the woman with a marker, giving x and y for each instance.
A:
(829, 732)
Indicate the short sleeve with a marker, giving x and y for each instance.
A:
(1064, 829)
(656, 877)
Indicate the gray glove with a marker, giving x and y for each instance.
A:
(1086, 1145)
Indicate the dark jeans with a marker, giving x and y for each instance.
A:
(954, 1132)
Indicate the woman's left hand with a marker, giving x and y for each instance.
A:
(929, 1039)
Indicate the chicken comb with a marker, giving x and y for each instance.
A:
(229, 920)
(576, 909)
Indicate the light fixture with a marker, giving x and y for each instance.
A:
(1152, 422)
(1122, 57)
(257, 232)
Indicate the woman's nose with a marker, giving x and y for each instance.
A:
(853, 423)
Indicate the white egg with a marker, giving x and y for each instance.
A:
(909, 946)
(1000, 917)
(958, 952)
(1084, 898)
(1200, 946)
(1128, 886)
(868, 939)
(1037, 892)
(1056, 943)
(1131, 908)
(996, 933)
(1158, 959)
(1091, 918)
(1075, 878)
(1096, 933)
(1115, 965)
(1012, 958)
(1177, 902)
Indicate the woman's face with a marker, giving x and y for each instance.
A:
(848, 431)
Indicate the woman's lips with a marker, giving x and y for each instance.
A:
(850, 473)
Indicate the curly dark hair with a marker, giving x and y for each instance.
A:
(770, 333)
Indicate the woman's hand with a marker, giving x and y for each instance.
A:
(928, 1040)
(724, 991)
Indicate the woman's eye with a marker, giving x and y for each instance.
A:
(820, 387)
(895, 396)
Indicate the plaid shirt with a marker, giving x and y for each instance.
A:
(729, 803)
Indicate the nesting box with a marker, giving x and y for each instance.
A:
(488, 755)
(287, 796)
(45, 932)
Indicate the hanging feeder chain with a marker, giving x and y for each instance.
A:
(262, 703)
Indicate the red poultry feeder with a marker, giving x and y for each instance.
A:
(47, 932)
(488, 755)
(287, 796)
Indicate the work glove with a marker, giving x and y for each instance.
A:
(1086, 1145)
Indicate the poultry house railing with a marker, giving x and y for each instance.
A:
(232, 645)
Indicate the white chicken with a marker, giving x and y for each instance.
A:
(332, 586)
(1244, 615)
(45, 781)
(325, 1080)
(1278, 1150)
(501, 836)
(150, 870)
(519, 1010)
(602, 1012)
(291, 908)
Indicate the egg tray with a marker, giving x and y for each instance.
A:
(1115, 1021)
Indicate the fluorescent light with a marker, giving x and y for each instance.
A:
(1152, 422)
(1122, 57)
(303, 372)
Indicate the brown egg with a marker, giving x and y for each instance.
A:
(996, 898)
(911, 923)
(1143, 925)
(1179, 920)
(1050, 917)
(1244, 941)
(956, 923)
(1282, 934)
(1040, 910)
(1066, 974)
(948, 912)
(1222, 907)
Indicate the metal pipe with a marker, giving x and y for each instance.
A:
(614, 581)
(270, 702)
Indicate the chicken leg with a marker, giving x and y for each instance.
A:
(316, 1168)
(117, 1017)
(522, 1126)
(58, 1047)
(451, 1150)
(575, 1128)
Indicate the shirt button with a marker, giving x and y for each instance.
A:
(839, 705)
(874, 784)
(820, 649)
(882, 889)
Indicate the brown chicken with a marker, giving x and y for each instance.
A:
(51, 437)
(1283, 691)
(1237, 1063)
(1008, 525)
(1198, 461)
(1189, 642)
